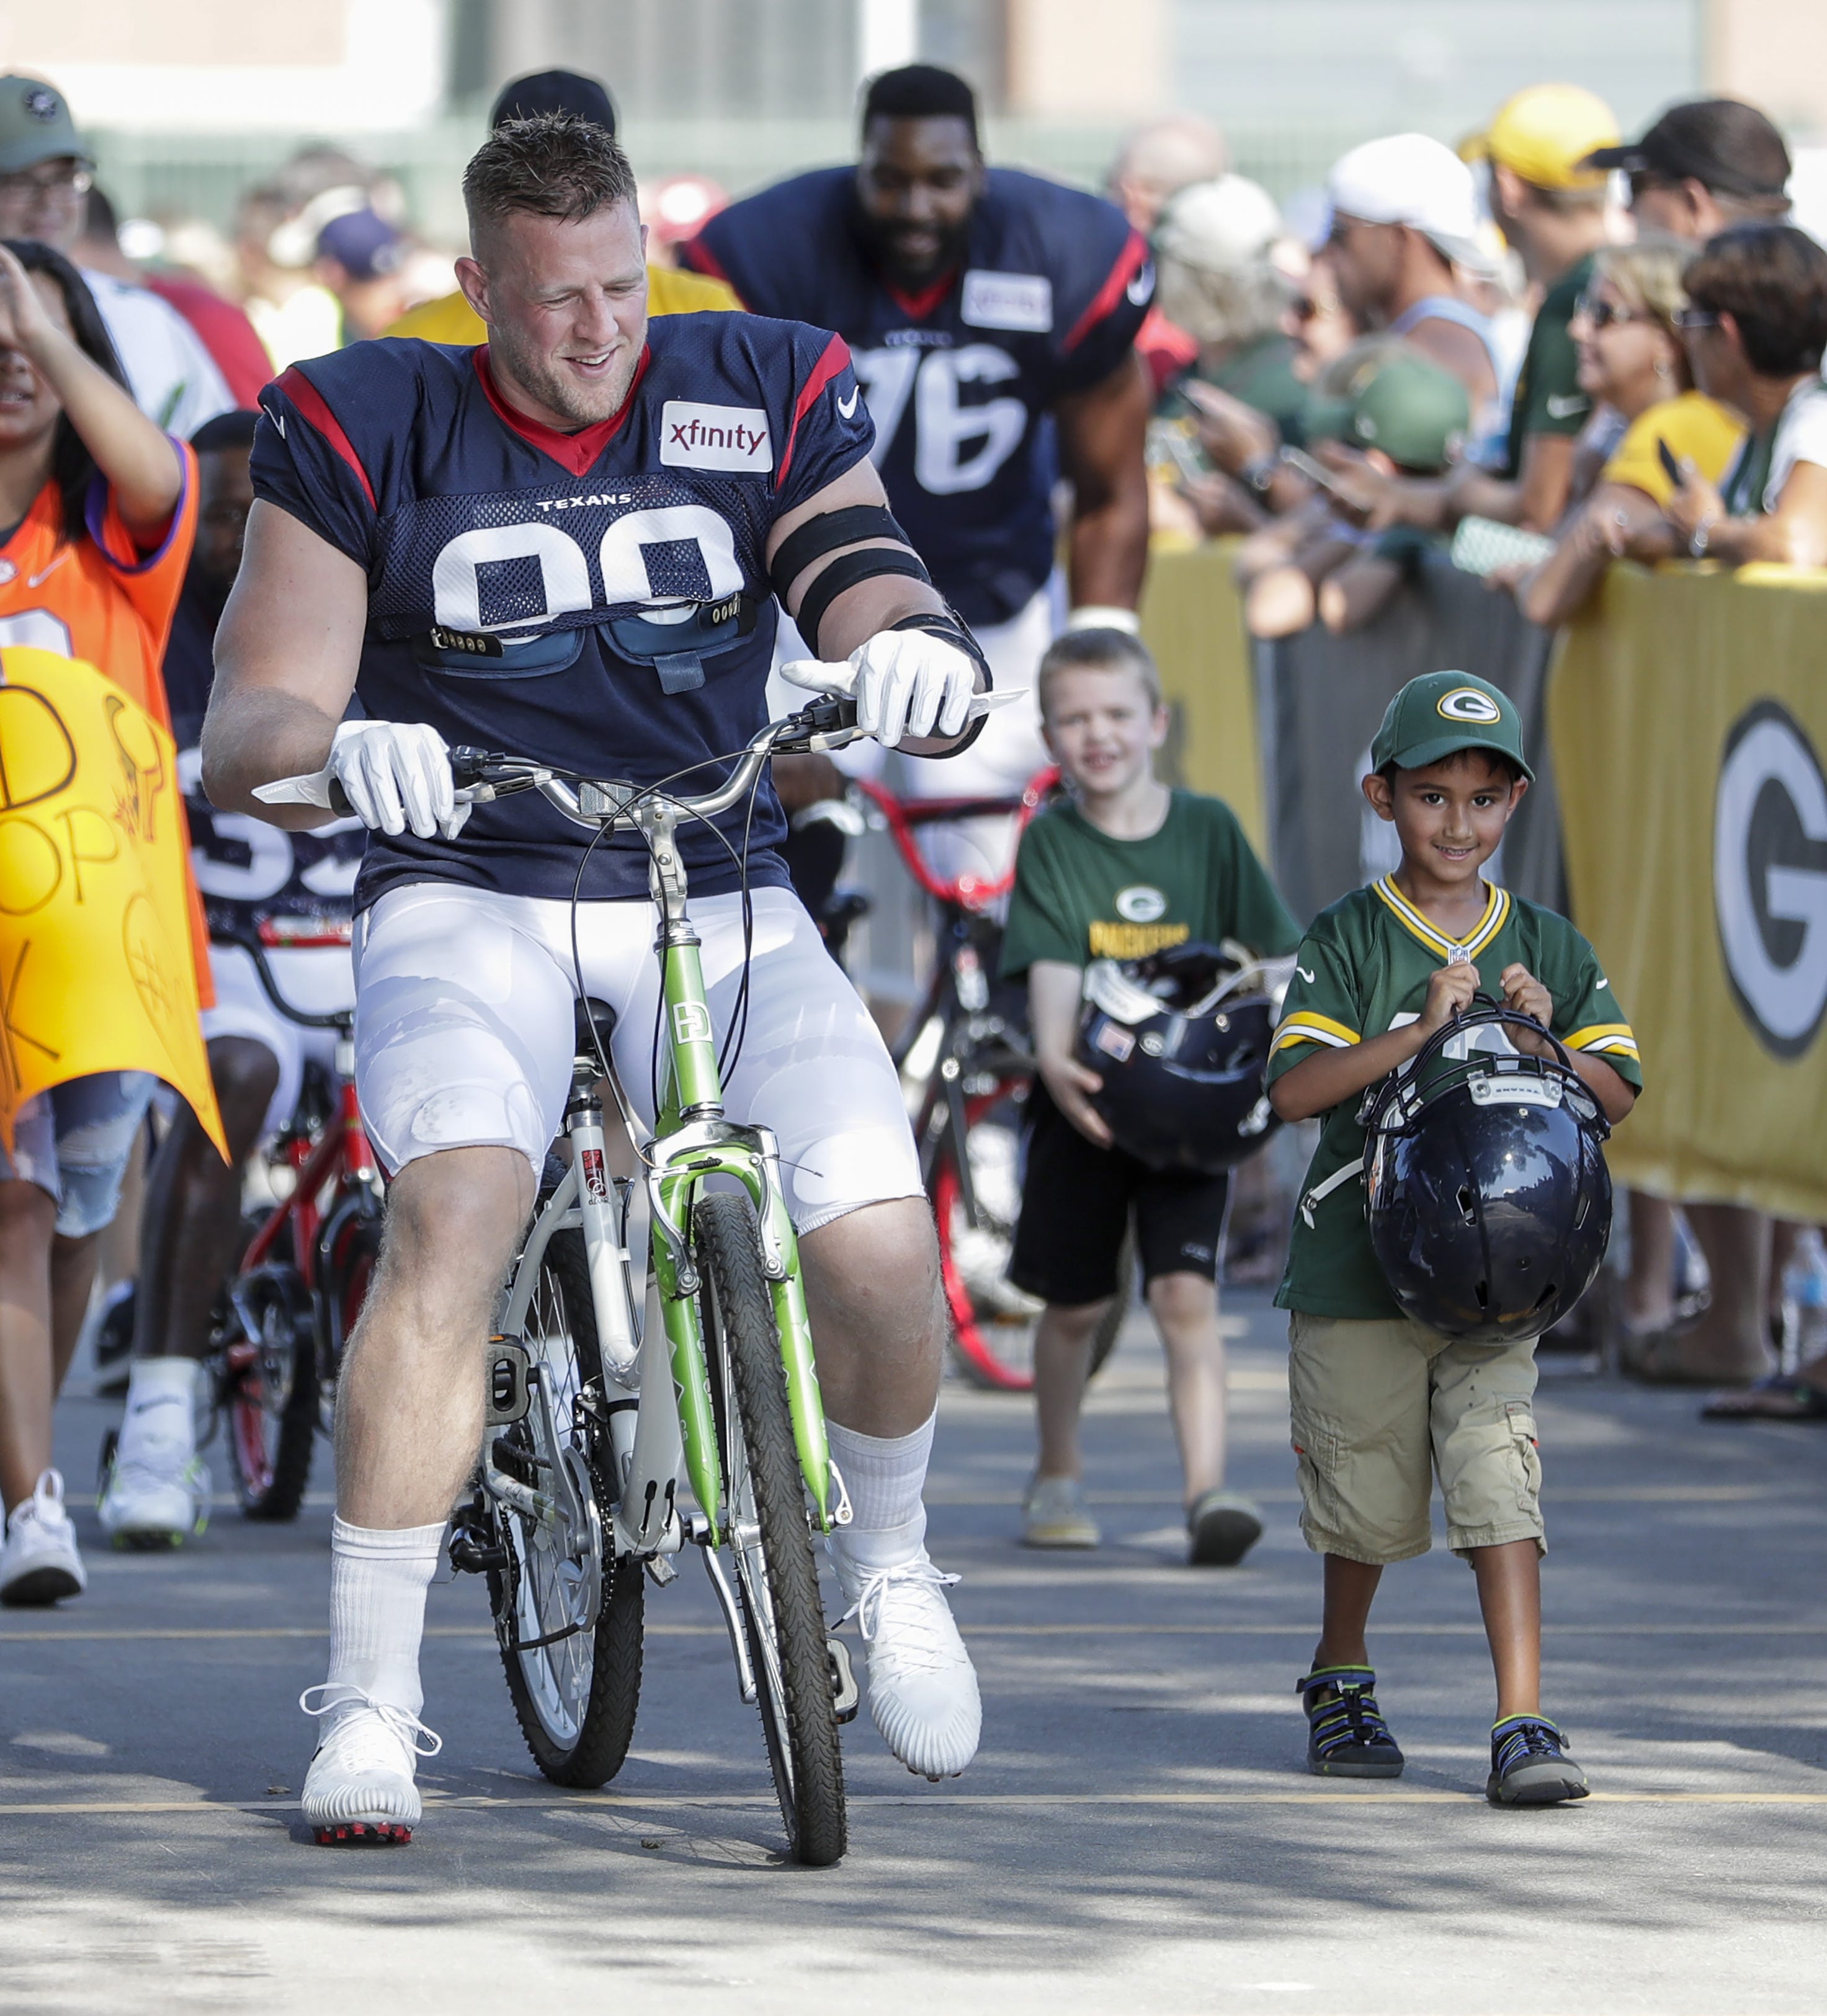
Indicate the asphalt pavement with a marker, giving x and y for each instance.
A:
(1139, 1834)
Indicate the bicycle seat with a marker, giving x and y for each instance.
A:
(595, 1026)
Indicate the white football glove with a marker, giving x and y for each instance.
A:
(396, 774)
(909, 682)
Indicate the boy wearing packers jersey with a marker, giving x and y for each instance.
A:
(1124, 867)
(1378, 1400)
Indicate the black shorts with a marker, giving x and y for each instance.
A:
(1076, 1200)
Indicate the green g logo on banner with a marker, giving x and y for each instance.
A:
(1769, 876)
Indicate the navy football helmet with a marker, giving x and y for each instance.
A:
(1181, 1039)
(1489, 1200)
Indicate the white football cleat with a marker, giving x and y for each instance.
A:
(358, 1792)
(922, 1686)
(38, 1560)
(154, 1504)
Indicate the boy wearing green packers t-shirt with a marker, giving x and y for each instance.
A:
(1378, 1402)
(1123, 869)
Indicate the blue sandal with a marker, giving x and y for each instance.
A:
(1347, 1736)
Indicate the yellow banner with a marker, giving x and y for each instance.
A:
(96, 971)
(1689, 716)
(1192, 619)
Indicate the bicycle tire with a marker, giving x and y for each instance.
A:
(271, 1449)
(981, 1346)
(587, 1749)
(777, 1578)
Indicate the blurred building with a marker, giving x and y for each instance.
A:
(191, 99)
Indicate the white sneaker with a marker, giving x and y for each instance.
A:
(155, 1493)
(153, 1502)
(358, 1791)
(922, 1686)
(38, 1561)
(1054, 1515)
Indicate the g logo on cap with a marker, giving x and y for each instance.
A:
(1468, 703)
(41, 104)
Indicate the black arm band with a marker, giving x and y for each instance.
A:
(826, 532)
(955, 631)
(846, 571)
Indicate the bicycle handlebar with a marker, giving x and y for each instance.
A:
(482, 776)
(904, 815)
(342, 1021)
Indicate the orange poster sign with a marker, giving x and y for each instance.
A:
(96, 971)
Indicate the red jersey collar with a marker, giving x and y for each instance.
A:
(916, 307)
(579, 452)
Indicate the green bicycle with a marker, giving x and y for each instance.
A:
(655, 1333)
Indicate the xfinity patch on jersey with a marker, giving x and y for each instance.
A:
(699, 436)
(1019, 301)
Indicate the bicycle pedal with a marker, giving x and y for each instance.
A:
(472, 1553)
(846, 1695)
(507, 1385)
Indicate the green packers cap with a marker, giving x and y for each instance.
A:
(1403, 403)
(1417, 414)
(35, 125)
(1441, 713)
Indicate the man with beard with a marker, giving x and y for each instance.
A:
(156, 1491)
(991, 317)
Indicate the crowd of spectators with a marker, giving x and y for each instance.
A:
(1547, 350)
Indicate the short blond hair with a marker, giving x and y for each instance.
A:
(1097, 651)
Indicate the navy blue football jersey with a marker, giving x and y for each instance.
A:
(962, 380)
(598, 600)
(247, 869)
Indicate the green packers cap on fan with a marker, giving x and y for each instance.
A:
(35, 125)
(1441, 713)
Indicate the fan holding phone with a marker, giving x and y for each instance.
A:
(1633, 365)
(1396, 412)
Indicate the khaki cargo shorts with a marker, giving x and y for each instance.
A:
(1380, 1408)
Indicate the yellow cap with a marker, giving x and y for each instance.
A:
(1543, 134)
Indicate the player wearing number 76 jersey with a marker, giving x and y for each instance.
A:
(991, 317)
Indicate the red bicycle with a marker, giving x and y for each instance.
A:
(286, 1314)
(966, 1048)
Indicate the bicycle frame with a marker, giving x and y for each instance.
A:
(342, 1150)
(657, 1358)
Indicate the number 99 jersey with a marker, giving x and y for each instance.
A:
(599, 600)
(960, 380)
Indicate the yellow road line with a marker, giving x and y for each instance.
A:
(650, 1801)
(1750, 1630)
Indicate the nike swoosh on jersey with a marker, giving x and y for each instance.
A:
(1564, 405)
(1304, 975)
(44, 574)
(847, 407)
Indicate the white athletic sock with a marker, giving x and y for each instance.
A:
(884, 1476)
(159, 1428)
(378, 1577)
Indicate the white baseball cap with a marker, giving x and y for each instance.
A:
(1222, 227)
(1410, 179)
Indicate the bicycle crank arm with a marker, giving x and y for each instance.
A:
(846, 1695)
(700, 1533)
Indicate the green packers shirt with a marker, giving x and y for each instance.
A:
(1548, 400)
(1363, 970)
(1079, 895)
